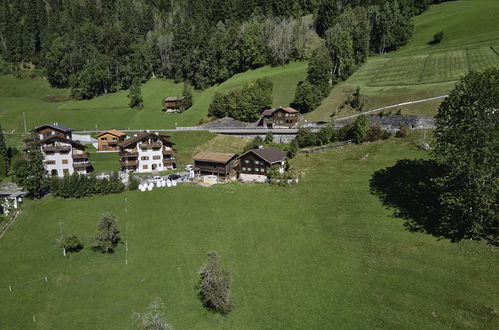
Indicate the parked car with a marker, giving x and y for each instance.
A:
(173, 177)
(189, 168)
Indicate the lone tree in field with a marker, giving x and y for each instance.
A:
(215, 285)
(108, 234)
(30, 170)
(466, 144)
(70, 243)
(154, 318)
(135, 94)
(187, 93)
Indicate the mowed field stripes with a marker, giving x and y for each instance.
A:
(425, 69)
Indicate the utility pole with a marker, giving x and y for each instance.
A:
(61, 239)
(24, 120)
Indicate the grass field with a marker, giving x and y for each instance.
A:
(30, 96)
(419, 70)
(322, 254)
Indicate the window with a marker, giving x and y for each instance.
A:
(50, 162)
(144, 158)
(279, 114)
(145, 167)
(104, 146)
(103, 138)
(64, 161)
(256, 162)
(246, 161)
(156, 157)
(65, 171)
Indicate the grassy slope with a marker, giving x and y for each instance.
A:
(322, 254)
(419, 70)
(111, 111)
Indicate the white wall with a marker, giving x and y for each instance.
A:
(252, 177)
(58, 158)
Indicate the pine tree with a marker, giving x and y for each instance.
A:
(30, 171)
(135, 94)
(187, 94)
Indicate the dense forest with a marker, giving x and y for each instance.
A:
(98, 46)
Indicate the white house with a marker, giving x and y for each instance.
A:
(147, 152)
(63, 156)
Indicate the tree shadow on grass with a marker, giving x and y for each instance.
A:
(408, 187)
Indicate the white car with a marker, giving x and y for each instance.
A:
(189, 168)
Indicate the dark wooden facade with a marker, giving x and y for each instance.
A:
(287, 117)
(213, 163)
(173, 103)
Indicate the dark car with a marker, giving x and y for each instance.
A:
(173, 177)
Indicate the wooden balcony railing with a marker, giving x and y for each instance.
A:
(168, 161)
(81, 164)
(129, 154)
(150, 145)
(129, 163)
(80, 156)
(54, 148)
(168, 152)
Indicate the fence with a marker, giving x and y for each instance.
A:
(324, 147)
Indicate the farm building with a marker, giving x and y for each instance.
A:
(255, 164)
(287, 117)
(173, 103)
(147, 152)
(215, 163)
(108, 140)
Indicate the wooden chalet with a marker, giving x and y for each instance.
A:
(53, 129)
(109, 140)
(255, 164)
(215, 163)
(147, 152)
(173, 103)
(287, 117)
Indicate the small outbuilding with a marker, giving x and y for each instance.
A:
(173, 103)
(215, 163)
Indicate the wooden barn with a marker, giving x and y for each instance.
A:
(215, 163)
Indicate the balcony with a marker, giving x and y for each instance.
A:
(150, 145)
(129, 154)
(168, 161)
(80, 156)
(81, 164)
(168, 152)
(56, 148)
(129, 163)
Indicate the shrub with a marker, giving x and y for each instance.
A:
(306, 138)
(215, 285)
(133, 183)
(70, 243)
(360, 127)
(403, 131)
(79, 186)
(269, 137)
(376, 133)
(437, 38)
(293, 148)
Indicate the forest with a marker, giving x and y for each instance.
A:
(97, 47)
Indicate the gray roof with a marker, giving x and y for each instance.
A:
(56, 127)
(271, 154)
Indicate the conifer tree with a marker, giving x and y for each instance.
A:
(135, 94)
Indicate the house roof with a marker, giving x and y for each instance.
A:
(56, 127)
(112, 132)
(51, 138)
(271, 154)
(145, 135)
(174, 98)
(214, 157)
(269, 112)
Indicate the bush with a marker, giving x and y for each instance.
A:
(215, 285)
(403, 131)
(307, 98)
(293, 148)
(437, 38)
(254, 144)
(269, 137)
(133, 183)
(376, 133)
(360, 128)
(306, 138)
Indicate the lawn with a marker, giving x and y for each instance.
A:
(420, 70)
(322, 254)
(33, 98)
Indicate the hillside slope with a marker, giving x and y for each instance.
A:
(419, 70)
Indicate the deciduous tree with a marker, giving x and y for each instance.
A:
(108, 234)
(215, 285)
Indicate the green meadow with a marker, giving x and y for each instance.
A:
(323, 254)
(34, 98)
